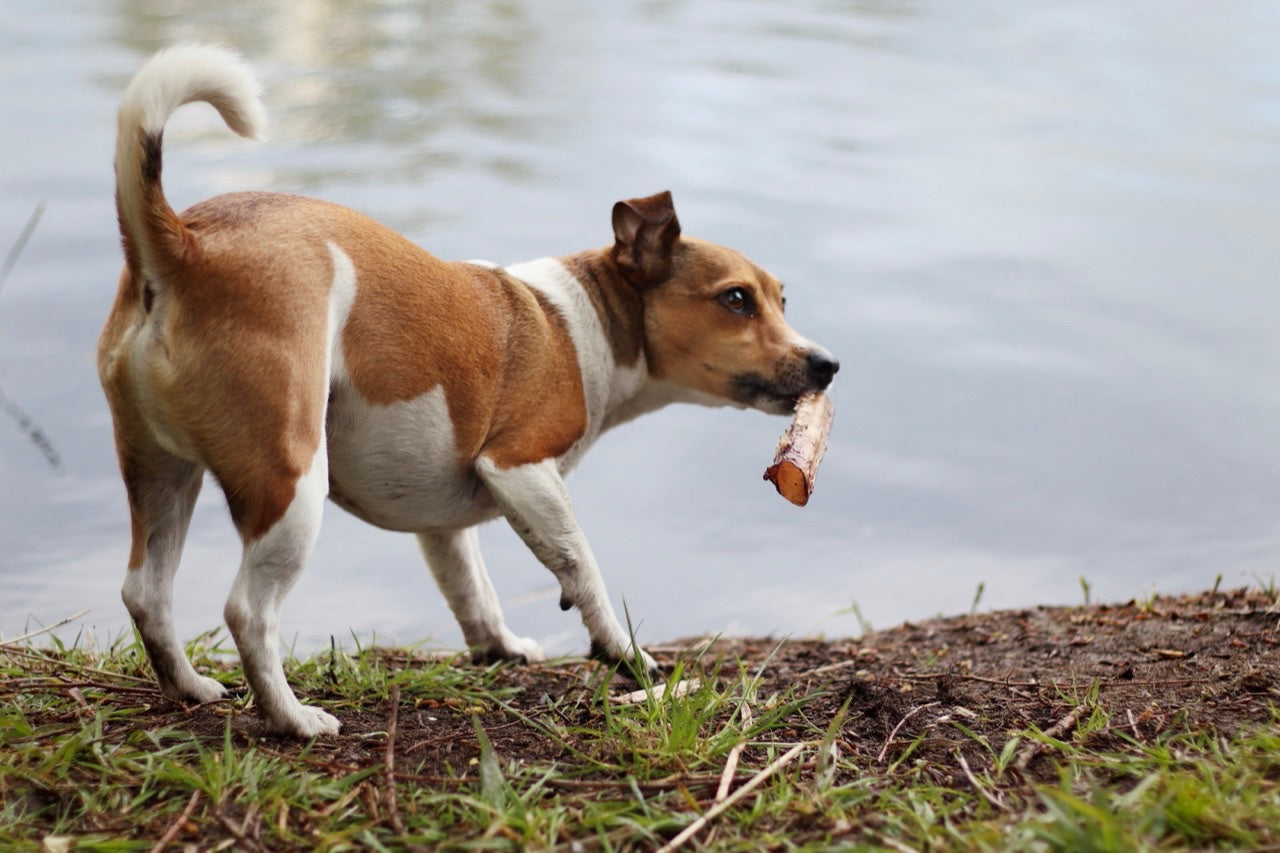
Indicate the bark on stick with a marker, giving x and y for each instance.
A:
(800, 450)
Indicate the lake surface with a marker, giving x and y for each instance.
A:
(1041, 238)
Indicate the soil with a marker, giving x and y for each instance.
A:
(1209, 661)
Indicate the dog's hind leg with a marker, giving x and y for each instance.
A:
(272, 563)
(162, 494)
(455, 562)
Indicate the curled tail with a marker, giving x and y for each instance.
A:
(154, 236)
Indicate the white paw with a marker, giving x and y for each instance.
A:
(304, 721)
(196, 691)
(511, 647)
(650, 664)
(626, 655)
(208, 689)
(527, 648)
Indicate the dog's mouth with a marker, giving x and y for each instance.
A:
(754, 390)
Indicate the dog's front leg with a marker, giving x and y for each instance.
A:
(536, 504)
(454, 559)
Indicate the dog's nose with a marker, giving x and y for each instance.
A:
(822, 366)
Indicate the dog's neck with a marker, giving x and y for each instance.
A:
(620, 307)
(606, 316)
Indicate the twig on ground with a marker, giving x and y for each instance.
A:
(55, 626)
(722, 806)
(829, 667)
(663, 785)
(65, 665)
(1057, 731)
(176, 827)
(237, 832)
(1101, 682)
(994, 799)
(731, 763)
(389, 767)
(635, 697)
(884, 750)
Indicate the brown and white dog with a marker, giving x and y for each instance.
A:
(297, 349)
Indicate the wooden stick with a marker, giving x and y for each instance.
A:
(884, 750)
(389, 766)
(800, 450)
(659, 690)
(731, 764)
(722, 806)
(1057, 731)
(176, 827)
(55, 626)
(994, 799)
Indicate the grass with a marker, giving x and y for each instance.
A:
(94, 759)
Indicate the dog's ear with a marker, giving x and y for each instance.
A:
(645, 232)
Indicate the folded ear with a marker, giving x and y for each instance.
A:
(645, 232)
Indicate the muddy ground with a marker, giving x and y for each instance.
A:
(1209, 661)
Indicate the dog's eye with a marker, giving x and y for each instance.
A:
(738, 301)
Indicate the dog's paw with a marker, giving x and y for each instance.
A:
(197, 691)
(304, 722)
(631, 659)
(510, 647)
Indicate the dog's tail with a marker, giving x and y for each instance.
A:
(154, 236)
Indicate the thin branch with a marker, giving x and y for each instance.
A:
(994, 799)
(1057, 731)
(724, 805)
(389, 767)
(731, 764)
(1101, 682)
(884, 750)
(176, 827)
(21, 243)
(237, 832)
(55, 626)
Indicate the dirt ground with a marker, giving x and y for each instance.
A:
(1207, 661)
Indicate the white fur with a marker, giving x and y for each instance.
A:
(395, 465)
(148, 589)
(342, 294)
(537, 506)
(455, 562)
(269, 568)
(605, 383)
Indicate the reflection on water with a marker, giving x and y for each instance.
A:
(1041, 241)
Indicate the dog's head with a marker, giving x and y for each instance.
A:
(713, 320)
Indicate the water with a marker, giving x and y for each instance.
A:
(1042, 240)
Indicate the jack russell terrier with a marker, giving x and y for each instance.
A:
(297, 349)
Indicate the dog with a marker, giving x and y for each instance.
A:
(296, 349)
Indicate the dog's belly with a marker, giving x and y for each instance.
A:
(396, 466)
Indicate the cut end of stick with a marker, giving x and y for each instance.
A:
(790, 481)
(800, 450)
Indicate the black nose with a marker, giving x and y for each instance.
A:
(822, 367)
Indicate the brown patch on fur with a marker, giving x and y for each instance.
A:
(228, 367)
(502, 353)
